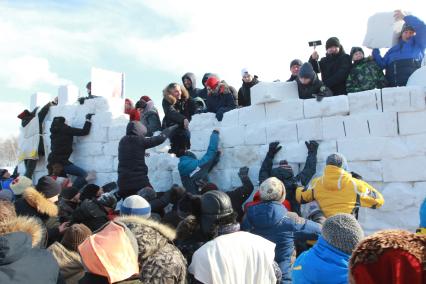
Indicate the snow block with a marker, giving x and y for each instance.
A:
(110, 148)
(68, 112)
(203, 121)
(39, 99)
(403, 99)
(102, 104)
(412, 122)
(68, 95)
(369, 170)
(281, 131)
(405, 169)
(244, 156)
(255, 135)
(232, 136)
(365, 102)
(107, 118)
(309, 129)
(362, 149)
(88, 149)
(230, 118)
(292, 152)
(329, 106)
(222, 178)
(418, 78)
(285, 110)
(176, 177)
(254, 114)
(267, 92)
(325, 149)
(116, 132)
(115, 164)
(356, 126)
(333, 127)
(382, 31)
(96, 134)
(104, 178)
(383, 124)
(416, 143)
(103, 164)
(200, 139)
(161, 180)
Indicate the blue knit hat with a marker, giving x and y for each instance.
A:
(135, 205)
(423, 214)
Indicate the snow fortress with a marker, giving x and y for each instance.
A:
(382, 133)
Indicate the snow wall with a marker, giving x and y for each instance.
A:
(382, 133)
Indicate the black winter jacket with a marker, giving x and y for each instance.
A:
(315, 87)
(193, 91)
(334, 70)
(132, 170)
(244, 95)
(176, 111)
(20, 263)
(61, 140)
(91, 214)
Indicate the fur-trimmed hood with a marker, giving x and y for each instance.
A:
(172, 100)
(372, 247)
(37, 200)
(25, 224)
(151, 235)
(69, 262)
(187, 228)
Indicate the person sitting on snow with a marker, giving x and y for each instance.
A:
(407, 55)
(219, 98)
(192, 170)
(338, 191)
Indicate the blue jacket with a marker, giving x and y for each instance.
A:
(404, 58)
(188, 164)
(272, 221)
(323, 263)
(5, 183)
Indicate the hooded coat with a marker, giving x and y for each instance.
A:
(21, 263)
(132, 169)
(177, 110)
(244, 94)
(150, 119)
(334, 70)
(336, 191)
(159, 259)
(61, 140)
(70, 264)
(35, 204)
(193, 91)
(203, 92)
(221, 100)
(272, 221)
(404, 58)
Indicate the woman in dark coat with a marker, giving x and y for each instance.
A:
(61, 147)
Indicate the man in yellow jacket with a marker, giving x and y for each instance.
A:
(338, 191)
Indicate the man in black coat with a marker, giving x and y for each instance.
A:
(190, 84)
(334, 67)
(132, 170)
(295, 65)
(244, 94)
(61, 137)
(284, 172)
(309, 86)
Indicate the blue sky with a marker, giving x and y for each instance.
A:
(44, 44)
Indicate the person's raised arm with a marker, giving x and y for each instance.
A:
(266, 168)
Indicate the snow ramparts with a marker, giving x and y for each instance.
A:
(382, 133)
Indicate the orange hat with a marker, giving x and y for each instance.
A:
(212, 82)
(112, 252)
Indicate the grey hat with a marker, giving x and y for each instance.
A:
(338, 160)
(307, 71)
(343, 232)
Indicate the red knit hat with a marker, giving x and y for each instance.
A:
(135, 115)
(212, 82)
(146, 98)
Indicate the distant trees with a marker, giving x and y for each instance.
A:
(8, 151)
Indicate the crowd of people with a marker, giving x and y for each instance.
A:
(289, 228)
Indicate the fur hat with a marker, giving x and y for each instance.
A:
(48, 187)
(74, 236)
(19, 184)
(135, 205)
(343, 232)
(272, 189)
(333, 41)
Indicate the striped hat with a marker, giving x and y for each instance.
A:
(135, 205)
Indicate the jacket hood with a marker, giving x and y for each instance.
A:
(266, 214)
(205, 77)
(14, 246)
(150, 235)
(191, 78)
(25, 224)
(172, 100)
(37, 200)
(335, 178)
(136, 128)
(67, 260)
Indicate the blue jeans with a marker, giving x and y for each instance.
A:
(81, 174)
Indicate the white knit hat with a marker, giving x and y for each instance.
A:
(135, 205)
(244, 71)
(272, 189)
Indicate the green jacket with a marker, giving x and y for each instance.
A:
(365, 75)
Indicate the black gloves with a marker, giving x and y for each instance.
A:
(216, 131)
(219, 115)
(355, 175)
(312, 146)
(81, 100)
(274, 148)
(243, 172)
(89, 116)
(166, 132)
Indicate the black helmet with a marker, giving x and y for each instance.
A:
(215, 205)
